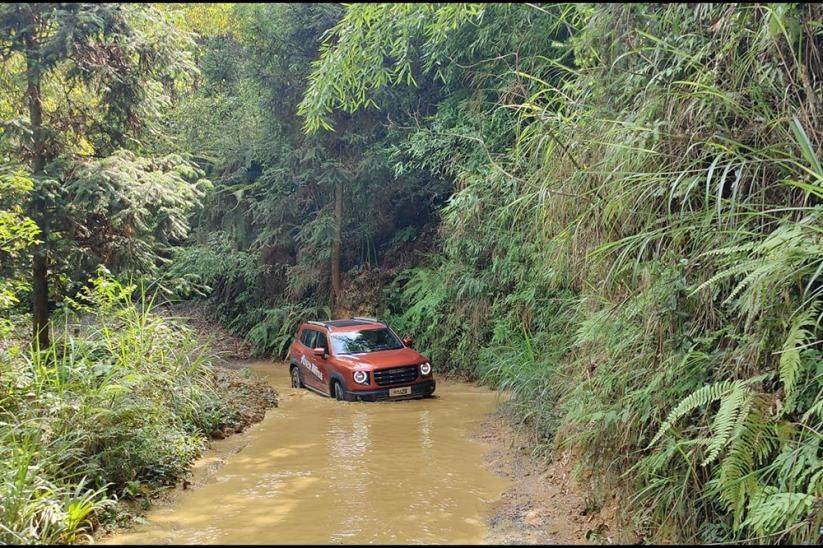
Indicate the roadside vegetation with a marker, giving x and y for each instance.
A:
(613, 211)
(634, 242)
(118, 407)
(103, 401)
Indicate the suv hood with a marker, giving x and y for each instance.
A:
(384, 358)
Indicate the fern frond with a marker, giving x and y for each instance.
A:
(699, 398)
(723, 274)
(748, 246)
(771, 510)
(734, 408)
(790, 362)
(751, 445)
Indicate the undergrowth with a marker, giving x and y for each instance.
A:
(233, 283)
(118, 407)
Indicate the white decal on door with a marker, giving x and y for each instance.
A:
(311, 367)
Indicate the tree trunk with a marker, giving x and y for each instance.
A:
(40, 283)
(336, 281)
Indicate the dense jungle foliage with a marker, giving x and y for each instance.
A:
(613, 211)
(108, 400)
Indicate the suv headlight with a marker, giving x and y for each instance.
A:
(361, 377)
(425, 368)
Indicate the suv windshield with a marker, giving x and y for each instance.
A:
(368, 340)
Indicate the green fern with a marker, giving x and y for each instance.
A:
(790, 362)
(753, 441)
(699, 398)
(771, 509)
(735, 403)
(734, 408)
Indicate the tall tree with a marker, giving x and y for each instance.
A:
(110, 54)
(299, 200)
(32, 36)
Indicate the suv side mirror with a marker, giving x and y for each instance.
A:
(407, 341)
(319, 351)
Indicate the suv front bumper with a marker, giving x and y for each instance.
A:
(418, 390)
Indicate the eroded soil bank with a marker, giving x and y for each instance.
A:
(544, 503)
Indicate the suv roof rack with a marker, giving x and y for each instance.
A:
(351, 322)
(367, 319)
(356, 320)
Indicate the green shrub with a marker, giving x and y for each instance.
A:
(119, 406)
(273, 334)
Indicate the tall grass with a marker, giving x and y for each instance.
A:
(118, 407)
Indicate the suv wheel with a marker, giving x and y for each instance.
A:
(338, 391)
(296, 382)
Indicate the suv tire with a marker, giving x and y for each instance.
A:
(296, 381)
(339, 394)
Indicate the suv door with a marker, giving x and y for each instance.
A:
(311, 372)
(322, 362)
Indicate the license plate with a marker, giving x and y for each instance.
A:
(405, 391)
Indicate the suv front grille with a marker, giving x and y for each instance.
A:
(395, 375)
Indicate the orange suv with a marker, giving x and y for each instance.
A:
(358, 359)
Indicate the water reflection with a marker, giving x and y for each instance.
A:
(348, 442)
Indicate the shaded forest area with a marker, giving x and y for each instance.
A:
(611, 211)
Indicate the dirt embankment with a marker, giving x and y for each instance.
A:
(250, 395)
(545, 504)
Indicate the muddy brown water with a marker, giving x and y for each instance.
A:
(316, 470)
